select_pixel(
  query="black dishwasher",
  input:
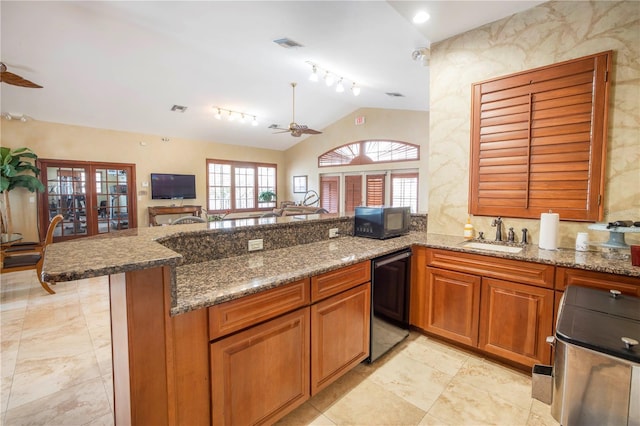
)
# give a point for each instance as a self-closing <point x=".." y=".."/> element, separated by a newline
<point x="390" y="301"/>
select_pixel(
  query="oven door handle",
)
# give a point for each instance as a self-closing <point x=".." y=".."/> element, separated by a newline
<point x="401" y="256"/>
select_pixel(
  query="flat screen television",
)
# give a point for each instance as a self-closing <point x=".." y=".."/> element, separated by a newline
<point x="165" y="186"/>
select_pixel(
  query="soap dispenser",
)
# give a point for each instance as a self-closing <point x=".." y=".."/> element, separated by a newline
<point x="468" y="229"/>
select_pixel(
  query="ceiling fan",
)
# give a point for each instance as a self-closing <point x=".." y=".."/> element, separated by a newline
<point x="14" y="79"/>
<point x="296" y="129"/>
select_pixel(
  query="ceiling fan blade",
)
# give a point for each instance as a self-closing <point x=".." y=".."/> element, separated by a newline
<point x="16" y="80"/>
<point x="310" y="131"/>
<point x="282" y="131"/>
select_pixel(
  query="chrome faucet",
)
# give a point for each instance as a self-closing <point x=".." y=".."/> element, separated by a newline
<point x="498" y="225"/>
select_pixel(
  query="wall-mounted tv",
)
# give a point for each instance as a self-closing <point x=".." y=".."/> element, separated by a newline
<point x="165" y="186"/>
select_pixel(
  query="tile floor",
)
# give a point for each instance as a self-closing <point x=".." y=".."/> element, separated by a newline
<point x="56" y="370"/>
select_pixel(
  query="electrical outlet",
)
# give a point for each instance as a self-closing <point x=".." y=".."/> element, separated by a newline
<point x="255" y="245"/>
<point x="333" y="232"/>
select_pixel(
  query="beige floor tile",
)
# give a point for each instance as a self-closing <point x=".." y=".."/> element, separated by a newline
<point x="429" y="420"/>
<point x="540" y="415"/>
<point x="464" y="404"/>
<point x="510" y="385"/>
<point x="76" y="405"/>
<point x="440" y="356"/>
<point x="338" y="389"/>
<point x="371" y="404"/>
<point x="63" y="340"/>
<point x="411" y="380"/>
<point x="306" y="414"/>
<point x="36" y="378"/>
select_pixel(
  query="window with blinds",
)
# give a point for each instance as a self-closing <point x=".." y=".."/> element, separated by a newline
<point x="538" y="141"/>
<point x="369" y="152"/>
<point x="375" y="190"/>
<point x="330" y="193"/>
<point x="352" y="192"/>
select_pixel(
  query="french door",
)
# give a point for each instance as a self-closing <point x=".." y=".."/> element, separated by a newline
<point x="94" y="198"/>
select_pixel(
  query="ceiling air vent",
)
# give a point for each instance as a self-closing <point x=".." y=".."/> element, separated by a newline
<point x="178" y="108"/>
<point x="273" y="126"/>
<point x="287" y="43"/>
<point x="394" y="94"/>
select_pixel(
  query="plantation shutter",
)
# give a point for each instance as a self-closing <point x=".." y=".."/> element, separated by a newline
<point x="329" y="193"/>
<point x="375" y="190"/>
<point x="352" y="192"/>
<point x="538" y="141"/>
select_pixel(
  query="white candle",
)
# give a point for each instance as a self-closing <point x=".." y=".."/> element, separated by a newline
<point x="549" y="231"/>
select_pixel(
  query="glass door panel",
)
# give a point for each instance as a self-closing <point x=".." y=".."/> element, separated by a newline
<point x="94" y="198"/>
<point x="112" y="199"/>
<point x="66" y="195"/>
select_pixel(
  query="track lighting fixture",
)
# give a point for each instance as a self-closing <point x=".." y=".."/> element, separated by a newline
<point x="242" y="117"/>
<point x="314" y="74"/>
<point x="330" y="78"/>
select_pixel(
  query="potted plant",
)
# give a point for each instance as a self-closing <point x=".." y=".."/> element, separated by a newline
<point x="267" y="196"/>
<point x="17" y="170"/>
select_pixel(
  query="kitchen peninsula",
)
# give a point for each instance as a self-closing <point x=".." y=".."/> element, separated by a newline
<point x="169" y="284"/>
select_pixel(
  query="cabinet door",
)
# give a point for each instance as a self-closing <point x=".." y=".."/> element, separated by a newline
<point x="453" y="305"/>
<point x="340" y="331"/>
<point x="515" y="320"/>
<point x="262" y="373"/>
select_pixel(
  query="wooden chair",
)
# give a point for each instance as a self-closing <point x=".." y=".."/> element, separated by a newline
<point x="24" y="259"/>
<point x="189" y="219"/>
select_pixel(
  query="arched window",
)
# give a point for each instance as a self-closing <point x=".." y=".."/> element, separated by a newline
<point x="369" y="152"/>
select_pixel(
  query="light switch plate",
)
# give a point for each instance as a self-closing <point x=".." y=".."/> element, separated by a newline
<point x="255" y="245"/>
<point x="333" y="232"/>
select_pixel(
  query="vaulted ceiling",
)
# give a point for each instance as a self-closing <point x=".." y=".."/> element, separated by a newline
<point x="122" y="65"/>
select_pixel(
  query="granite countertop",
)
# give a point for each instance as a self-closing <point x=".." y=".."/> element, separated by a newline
<point x="204" y="284"/>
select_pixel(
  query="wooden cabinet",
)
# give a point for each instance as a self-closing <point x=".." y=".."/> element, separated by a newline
<point x="418" y="291"/>
<point x="515" y="320"/>
<point x="270" y="351"/>
<point x="238" y="314"/>
<point x="453" y="301"/>
<point x="600" y="280"/>
<point x="262" y="373"/>
<point x="340" y="330"/>
<point x="501" y="306"/>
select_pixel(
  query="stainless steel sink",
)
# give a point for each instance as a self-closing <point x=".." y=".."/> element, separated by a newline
<point x="492" y="247"/>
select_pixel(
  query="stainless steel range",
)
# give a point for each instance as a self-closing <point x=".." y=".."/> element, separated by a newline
<point x="596" y="371"/>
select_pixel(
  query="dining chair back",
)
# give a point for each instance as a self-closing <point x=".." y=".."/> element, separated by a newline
<point x="34" y="259"/>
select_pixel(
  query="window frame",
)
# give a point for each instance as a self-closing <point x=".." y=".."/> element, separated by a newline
<point x="360" y="158"/>
<point x="257" y="204"/>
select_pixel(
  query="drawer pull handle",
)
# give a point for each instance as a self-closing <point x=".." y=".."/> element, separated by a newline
<point x="629" y="342"/>
<point x="615" y="293"/>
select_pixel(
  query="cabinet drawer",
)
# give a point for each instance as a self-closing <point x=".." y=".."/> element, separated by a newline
<point x="601" y="280"/>
<point x="494" y="267"/>
<point x="241" y="313"/>
<point x="334" y="282"/>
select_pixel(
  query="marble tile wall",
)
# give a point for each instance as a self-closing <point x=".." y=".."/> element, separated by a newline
<point x="552" y="32"/>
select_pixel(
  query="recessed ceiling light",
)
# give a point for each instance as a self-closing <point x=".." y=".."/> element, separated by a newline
<point x="421" y="17"/>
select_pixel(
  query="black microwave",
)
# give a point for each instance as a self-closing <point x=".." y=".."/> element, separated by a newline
<point x="381" y="222"/>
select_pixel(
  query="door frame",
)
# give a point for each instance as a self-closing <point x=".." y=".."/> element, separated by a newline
<point x="90" y="195"/>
